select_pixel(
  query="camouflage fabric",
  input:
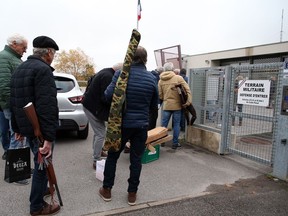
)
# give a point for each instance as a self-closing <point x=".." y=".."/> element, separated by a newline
<point x="113" y="134"/>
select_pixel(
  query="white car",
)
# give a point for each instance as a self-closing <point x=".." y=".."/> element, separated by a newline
<point x="71" y="114"/>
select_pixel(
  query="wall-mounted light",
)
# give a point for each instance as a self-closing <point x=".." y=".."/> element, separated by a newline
<point x="207" y="61"/>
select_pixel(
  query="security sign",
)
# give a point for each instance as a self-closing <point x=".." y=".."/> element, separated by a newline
<point x="254" y="92"/>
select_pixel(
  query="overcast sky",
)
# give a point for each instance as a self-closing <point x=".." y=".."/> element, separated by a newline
<point x="102" y="28"/>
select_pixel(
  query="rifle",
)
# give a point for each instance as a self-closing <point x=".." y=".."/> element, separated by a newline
<point x="32" y="116"/>
<point x="189" y="109"/>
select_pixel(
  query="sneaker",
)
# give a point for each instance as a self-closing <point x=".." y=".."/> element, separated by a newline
<point x="131" y="198"/>
<point x="32" y="171"/>
<point x="22" y="182"/>
<point x="176" y="146"/>
<point x="104" y="154"/>
<point x="4" y="156"/>
<point x="47" y="210"/>
<point x="105" y="194"/>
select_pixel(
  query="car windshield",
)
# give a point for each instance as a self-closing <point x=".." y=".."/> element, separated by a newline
<point x="63" y="84"/>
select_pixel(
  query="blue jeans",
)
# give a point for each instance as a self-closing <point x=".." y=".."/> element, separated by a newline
<point x="39" y="180"/>
<point x="137" y="138"/>
<point x="166" y="115"/>
<point x="13" y="142"/>
<point x="5" y="134"/>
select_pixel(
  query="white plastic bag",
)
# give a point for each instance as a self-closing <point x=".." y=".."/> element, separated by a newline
<point x="100" y="165"/>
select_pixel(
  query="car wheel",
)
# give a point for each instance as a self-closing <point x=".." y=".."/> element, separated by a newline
<point x="83" y="134"/>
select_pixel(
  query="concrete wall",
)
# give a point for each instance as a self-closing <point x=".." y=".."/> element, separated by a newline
<point x="206" y="139"/>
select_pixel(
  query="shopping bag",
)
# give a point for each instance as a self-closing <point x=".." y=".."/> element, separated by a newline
<point x="18" y="165"/>
<point x="100" y="166"/>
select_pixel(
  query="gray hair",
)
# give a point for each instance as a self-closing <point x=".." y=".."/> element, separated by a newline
<point x="19" y="39"/>
<point x="40" y="51"/>
<point x="168" y="66"/>
<point x="117" y="66"/>
<point x="160" y="69"/>
<point x="177" y="71"/>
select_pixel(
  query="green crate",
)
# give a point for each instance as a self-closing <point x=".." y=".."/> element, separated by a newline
<point x="149" y="156"/>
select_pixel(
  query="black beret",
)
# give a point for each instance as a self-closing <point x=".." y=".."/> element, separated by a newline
<point x="44" y="42"/>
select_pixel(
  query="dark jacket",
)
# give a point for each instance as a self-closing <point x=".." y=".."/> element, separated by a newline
<point x="33" y="81"/>
<point x="141" y="96"/>
<point x="9" y="61"/>
<point x="94" y="99"/>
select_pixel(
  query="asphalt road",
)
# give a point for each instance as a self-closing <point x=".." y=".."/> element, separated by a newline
<point x="259" y="196"/>
<point x="190" y="181"/>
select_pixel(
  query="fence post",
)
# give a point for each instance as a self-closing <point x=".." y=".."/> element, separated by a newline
<point x="280" y="163"/>
<point x="225" y="113"/>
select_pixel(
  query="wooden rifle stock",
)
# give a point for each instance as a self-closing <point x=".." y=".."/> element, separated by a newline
<point x="32" y="116"/>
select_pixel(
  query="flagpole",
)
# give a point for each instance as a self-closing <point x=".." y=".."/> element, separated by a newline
<point x="137" y="17"/>
<point x="137" y="24"/>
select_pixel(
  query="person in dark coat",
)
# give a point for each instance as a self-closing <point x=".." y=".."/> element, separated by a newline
<point x="141" y="97"/>
<point x="153" y="115"/>
<point x="33" y="81"/>
<point x="183" y="121"/>
<point x="97" y="109"/>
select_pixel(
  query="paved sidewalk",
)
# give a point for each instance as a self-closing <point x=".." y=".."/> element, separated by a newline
<point x="175" y="175"/>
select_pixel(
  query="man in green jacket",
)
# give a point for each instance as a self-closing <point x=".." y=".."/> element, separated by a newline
<point x="10" y="59"/>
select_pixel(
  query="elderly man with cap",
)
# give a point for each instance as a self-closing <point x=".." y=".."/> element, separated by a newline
<point x="33" y="81"/>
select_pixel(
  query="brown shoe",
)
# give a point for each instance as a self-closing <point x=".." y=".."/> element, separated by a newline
<point x="47" y="210"/>
<point x="131" y="198"/>
<point x="105" y="194"/>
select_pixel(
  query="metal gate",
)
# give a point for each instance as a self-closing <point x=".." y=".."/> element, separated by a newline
<point x="246" y="129"/>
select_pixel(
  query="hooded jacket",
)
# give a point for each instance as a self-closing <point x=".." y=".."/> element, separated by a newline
<point x="168" y="93"/>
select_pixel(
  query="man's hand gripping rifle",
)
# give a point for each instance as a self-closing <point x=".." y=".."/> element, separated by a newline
<point x="32" y="116"/>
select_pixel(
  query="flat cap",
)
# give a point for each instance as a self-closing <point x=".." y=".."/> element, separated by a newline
<point x="44" y="42"/>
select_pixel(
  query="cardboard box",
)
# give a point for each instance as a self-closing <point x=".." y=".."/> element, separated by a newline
<point x="150" y="156"/>
<point x="156" y="133"/>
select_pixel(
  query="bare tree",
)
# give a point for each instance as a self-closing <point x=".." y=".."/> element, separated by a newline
<point x="74" y="62"/>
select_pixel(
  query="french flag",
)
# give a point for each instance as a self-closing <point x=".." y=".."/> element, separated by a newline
<point x="139" y="9"/>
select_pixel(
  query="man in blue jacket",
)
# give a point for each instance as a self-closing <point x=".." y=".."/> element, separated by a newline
<point x="141" y="97"/>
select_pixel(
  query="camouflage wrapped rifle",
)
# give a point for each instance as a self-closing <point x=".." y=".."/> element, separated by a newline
<point x="113" y="134"/>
